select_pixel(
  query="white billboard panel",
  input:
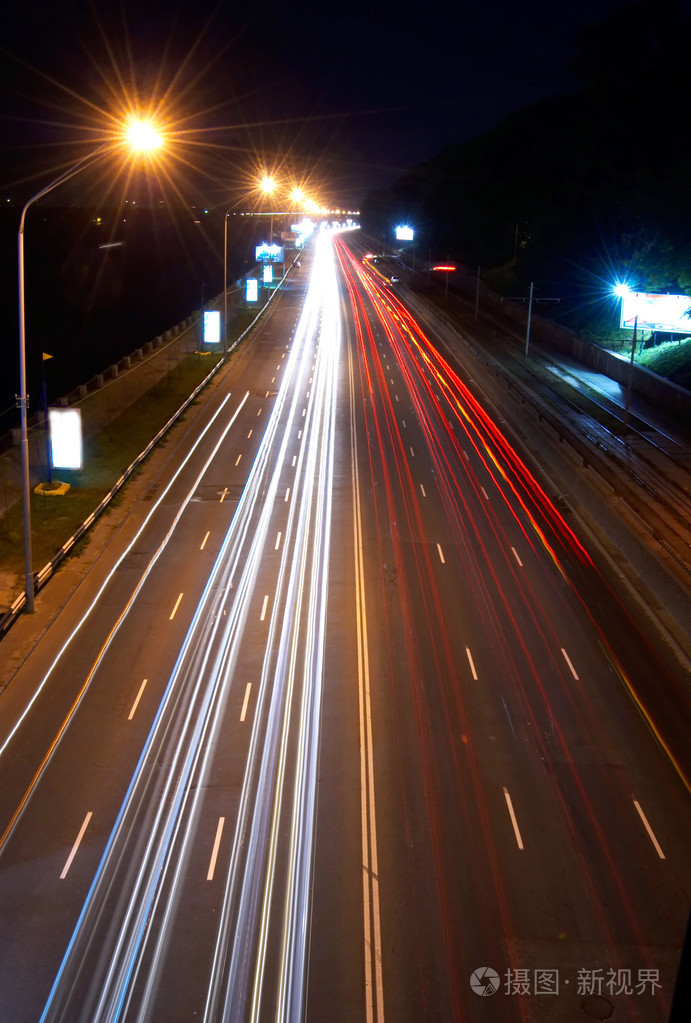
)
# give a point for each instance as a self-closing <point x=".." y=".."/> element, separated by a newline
<point x="212" y="327"/>
<point x="268" y="253"/>
<point x="252" y="292"/>
<point x="669" y="313"/>
<point x="65" y="429"/>
<point x="404" y="233"/>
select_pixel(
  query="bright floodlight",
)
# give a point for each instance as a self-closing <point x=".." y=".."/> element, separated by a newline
<point x="143" y="135"/>
<point x="621" y="289"/>
<point x="267" y="184"/>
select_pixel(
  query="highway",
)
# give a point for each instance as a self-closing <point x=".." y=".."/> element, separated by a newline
<point x="343" y="719"/>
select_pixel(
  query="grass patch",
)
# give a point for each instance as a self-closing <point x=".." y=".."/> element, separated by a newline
<point x="106" y="456"/>
<point x="671" y="359"/>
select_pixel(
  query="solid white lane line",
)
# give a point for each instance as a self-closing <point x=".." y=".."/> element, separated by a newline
<point x="571" y="667"/>
<point x="423" y="490"/>
<point x="245" y="702"/>
<point x="485" y="493"/>
<point x="177" y="605"/>
<point x="515" y="554"/>
<point x="73" y="853"/>
<point x="441" y="554"/>
<point x="136" y="702"/>
<point x="203" y="543"/>
<point x="471" y="663"/>
<point x="214" y="851"/>
<point x="237" y="460"/>
<point x="262" y="616"/>
<point x="374" y="986"/>
<point x="651" y="835"/>
<point x="516" y="831"/>
<point x="278" y="541"/>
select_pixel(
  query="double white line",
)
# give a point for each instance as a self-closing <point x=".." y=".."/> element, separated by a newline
<point x="374" y="990"/>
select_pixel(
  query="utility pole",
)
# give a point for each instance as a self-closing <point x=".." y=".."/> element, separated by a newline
<point x="529" y="300"/>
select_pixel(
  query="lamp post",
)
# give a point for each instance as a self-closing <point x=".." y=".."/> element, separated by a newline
<point x="629" y="376"/>
<point x="140" y="135"/>
<point x="622" y="290"/>
<point x="268" y="187"/>
<point x="225" y="283"/>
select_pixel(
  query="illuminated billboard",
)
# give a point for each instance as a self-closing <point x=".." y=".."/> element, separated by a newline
<point x="669" y="313"/>
<point x="252" y="291"/>
<point x="268" y="253"/>
<point x="65" y="429"/>
<point x="268" y="274"/>
<point x="212" y="327"/>
<point x="404" y="233"/>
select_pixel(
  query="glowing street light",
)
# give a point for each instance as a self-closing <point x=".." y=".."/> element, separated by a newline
<point x="139" y="136"/>
<point x="142" y="135"/>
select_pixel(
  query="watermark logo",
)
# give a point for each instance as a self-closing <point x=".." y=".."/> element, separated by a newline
<point x="484" y="981"/>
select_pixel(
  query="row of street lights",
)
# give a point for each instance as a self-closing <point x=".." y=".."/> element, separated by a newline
<point x="138" y="136"/>
<point x="268" y="186"/>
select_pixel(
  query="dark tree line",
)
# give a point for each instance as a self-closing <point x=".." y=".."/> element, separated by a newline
<point x="578" y="188"/>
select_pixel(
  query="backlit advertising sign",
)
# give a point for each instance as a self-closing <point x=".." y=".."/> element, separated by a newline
<point x="268" y="274"/>
<point x="668" y="313"/>
<point x="268" y="253"/>
<point x="404" y="233"/>
<point x="65" y="431"/>
<point x="252" y="290"/>
<point x="212" y="327"/>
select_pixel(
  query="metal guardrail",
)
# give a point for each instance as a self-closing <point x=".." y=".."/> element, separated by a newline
<point x="41" y="577"/>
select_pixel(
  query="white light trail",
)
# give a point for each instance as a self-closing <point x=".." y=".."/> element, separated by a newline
<point x="164" y="806"/>
<point x="95" y="602"/>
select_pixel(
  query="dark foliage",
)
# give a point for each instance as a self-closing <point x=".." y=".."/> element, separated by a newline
<point x="577" y="190"/>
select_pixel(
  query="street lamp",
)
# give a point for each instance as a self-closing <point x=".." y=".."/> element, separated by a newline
<point x="139" y="136"/>
<point x="622" y="290"/>
<point x="268" y="187"/>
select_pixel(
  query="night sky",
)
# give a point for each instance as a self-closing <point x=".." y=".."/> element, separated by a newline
<point x="345" y="96"/>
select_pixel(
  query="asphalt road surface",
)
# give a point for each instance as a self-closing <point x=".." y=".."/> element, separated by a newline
<point x="341" y="725"/>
